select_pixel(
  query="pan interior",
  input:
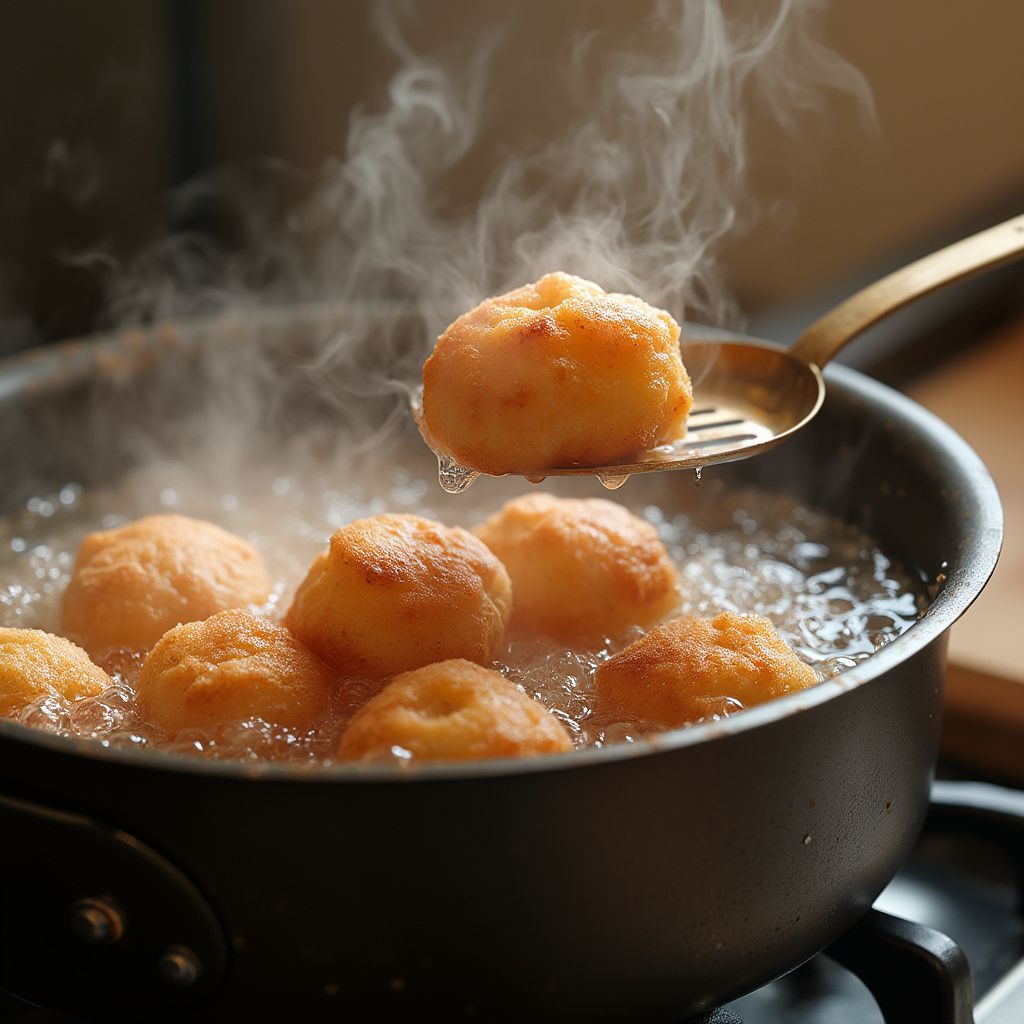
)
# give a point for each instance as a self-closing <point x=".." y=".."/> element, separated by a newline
<point x="857" y="488"/>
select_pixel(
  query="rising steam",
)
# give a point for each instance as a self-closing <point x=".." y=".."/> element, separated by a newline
<point x="641" y="179"/>
<point x="635" y="181"/>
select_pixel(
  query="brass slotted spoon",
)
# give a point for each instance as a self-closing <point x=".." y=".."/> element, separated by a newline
<point x="750" y="396"/>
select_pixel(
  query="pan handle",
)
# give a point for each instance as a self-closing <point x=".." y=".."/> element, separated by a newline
<point x="837" y="328"/>
<point x="95" y="923"/>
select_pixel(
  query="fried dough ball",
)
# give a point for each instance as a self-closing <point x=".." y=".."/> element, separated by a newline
<point x="233" y="666"/>
<point x="581" y="569"/>
<point x="556" y="373"/>
<point x="453" y="711"/>
<point x="691" y="667"/>
<point x="395" y="592"/>
<point x="35" y="664"/>
<point x="133" y="583"/>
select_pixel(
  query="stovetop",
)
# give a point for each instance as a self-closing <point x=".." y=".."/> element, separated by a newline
<point x="943" y="944"/>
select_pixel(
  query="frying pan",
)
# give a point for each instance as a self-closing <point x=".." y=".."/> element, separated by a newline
<point x="649" y="881"/>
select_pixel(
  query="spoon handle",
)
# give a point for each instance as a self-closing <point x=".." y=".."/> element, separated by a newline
<point x="825" y="337"/>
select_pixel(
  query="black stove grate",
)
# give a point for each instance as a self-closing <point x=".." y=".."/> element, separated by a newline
<point x="915" y="972"/>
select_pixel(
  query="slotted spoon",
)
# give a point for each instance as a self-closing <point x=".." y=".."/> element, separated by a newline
<point x="751" y="396"/>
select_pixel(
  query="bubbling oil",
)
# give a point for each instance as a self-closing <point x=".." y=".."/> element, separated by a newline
<point x="834" y="596"/>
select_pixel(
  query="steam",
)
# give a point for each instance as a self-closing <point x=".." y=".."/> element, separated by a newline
<point x="641" y="179"/>
<point x="635" y="183"/>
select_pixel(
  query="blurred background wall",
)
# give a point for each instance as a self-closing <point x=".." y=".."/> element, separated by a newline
<point x="107" y="107"/>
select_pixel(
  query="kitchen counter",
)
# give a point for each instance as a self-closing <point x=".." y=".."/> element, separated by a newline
<point x="981" y="395"/>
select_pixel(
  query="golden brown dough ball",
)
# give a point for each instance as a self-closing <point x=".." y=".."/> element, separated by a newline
<point x="35" y="664"/>
<point x="395" y="592"/>
<point x="133" y="583"/>
<point x="556" y="373"/>
<point x="581" y="570"/>
<point x="229" y="668"/>
<point x="453" y="711"/>
<point x="689" y="668"/>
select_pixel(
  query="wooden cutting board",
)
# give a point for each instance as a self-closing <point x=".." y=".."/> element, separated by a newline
<point x="981" y="395"/>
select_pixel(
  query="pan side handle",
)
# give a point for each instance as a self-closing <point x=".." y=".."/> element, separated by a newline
<point x="94" y="923"/>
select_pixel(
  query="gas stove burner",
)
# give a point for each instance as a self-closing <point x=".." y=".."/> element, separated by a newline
<point x="913" y="972"/>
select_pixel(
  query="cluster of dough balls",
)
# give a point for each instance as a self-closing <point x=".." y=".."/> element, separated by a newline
<point x="452" y="711"/>
<point x="556" y="373"/>
<point x="692" y="668"/>
<point x="396" y="592"/>
<point x="232" y="667"/>
<point x="131" y="584"/>
<point x="405" y="597"/>
<point x="419" y="606"/>
<point x="581" y="570"/>
<point x="35" y="665"/>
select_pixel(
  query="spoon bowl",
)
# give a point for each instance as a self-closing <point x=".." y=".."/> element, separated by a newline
<point x="750" y="396"/>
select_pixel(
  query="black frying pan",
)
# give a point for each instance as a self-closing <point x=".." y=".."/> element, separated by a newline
<point x="635" y="883"/>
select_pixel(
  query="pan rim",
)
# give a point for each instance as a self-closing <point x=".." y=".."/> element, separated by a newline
<point x="963" y="585"/>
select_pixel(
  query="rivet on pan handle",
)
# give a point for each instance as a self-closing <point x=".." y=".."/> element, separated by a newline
<point x="94" y="923"/>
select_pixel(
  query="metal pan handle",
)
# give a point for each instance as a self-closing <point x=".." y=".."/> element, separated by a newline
<point x="984" y="251"/>
<point x="95" y="923"/>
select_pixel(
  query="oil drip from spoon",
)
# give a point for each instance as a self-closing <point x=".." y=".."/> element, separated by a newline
<point x="612" y="481"/>
<point x="453" y="477"/>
